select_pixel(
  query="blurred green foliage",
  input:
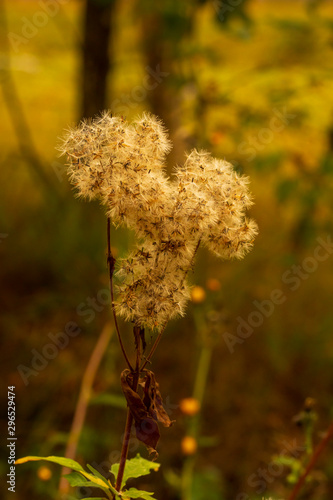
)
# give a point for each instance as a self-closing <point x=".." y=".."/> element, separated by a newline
<point x="256" y="90"/>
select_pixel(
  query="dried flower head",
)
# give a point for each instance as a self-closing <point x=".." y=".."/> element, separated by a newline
<point x="123" y="165"/>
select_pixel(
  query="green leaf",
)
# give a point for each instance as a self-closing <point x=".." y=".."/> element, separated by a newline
<point x="134" y="493"/>
<point x="135" y="467"/>
<point x="65" y="462"/>
<point x="98" y="474"/>
<point x="76" y="479"/>
<point x="98" y="482"/>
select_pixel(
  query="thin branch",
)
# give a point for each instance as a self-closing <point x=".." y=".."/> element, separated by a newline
<point x="153" y="349"/>
<point x="124" y="450"/>
<point x="129" y="419"/>
<point x="195" y="251"/>
<point x="312" y="463"/>
<point x="83" y="400"/>
<point x="111" y="262"/>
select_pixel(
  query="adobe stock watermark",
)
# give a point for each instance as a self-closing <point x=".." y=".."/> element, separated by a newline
<point x="264" y="476"/>
<point x="293" y="278"/>
<point x="30" y="27"/>
<point x="59" y="341"/>
<point x="278" y="122"/>
<point x="150" y="81"/>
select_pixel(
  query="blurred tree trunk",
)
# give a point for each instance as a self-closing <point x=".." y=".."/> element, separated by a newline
<point x="96" y="55"/>
<point x="162" y="31"/>
<point x="156" y="57"/>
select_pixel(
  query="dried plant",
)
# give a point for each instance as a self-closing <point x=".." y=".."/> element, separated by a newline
<point x="123" y="165"/>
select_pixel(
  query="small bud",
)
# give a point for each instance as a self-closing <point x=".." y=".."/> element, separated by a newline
<point x="213" y="285"/>
<point x="44" y="473"/>
<point x="189" y="406"/>
<point x="309" y="404"/>
<point x="189" y="445"/>
<point x="198" y="294"/>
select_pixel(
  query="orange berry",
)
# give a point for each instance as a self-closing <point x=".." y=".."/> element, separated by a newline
<point x="213" y="284"/>
<point x="189" y="406"/>
<point x="198" y="294"/>
<point x="44" y="473"/>
<point x="189" y="445"/>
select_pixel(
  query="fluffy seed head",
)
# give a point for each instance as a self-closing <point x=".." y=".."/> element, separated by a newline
<point x="123" y="165"/>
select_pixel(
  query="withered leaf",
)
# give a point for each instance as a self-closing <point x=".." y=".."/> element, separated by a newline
<point x="145" y="424"/>
<point x="153" y="400"/>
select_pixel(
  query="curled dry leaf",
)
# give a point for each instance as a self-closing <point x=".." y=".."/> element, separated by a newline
<point x="146" y="410"/>
<point x="153" y="400"/>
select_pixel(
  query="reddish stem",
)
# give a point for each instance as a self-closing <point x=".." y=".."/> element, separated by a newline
<point x="153" y="349"/>
<point x="129" y="419"/>
<point x="312" y="463"/>
<point x="127" y="436"/>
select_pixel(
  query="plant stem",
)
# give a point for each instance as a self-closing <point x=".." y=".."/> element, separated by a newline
<point x="129" y="418"/>
<point x="202" y="373"/>
<point x="312" y="462"/>
<point x="111" y="262"/>
<point x="124" y="449"/>
<point x="153" y="349"/>
<point x="138" y="369"/>
<point x="187" y="478"/>
<point x="198" y="394"/>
